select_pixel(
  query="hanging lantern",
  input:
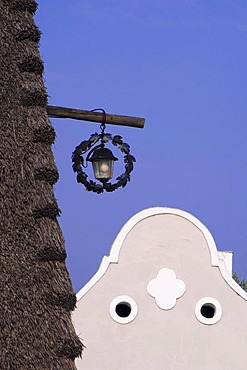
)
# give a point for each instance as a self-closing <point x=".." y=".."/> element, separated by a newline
<point x="103" y="163"/>
<point x="102" y="160"/>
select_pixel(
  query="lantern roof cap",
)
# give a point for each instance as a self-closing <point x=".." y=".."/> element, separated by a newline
<point x="102" y="153"/>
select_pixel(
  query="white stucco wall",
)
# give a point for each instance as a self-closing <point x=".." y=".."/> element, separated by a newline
<point x="157" y="338"/>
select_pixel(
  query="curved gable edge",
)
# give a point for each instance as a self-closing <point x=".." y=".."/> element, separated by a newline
<point x="118" y="242"/>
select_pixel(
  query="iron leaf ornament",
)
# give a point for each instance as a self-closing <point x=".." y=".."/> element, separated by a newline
<point x="78" y="162"/>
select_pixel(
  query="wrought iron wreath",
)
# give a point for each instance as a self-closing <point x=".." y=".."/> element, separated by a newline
<point x="85" y="146"/>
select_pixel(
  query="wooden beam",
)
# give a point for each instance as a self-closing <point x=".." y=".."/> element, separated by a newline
<point x="84" y="115"/>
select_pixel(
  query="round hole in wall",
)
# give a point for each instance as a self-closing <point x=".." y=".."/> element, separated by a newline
<point x="208" y="311"/>
<point x="123" y="309"/>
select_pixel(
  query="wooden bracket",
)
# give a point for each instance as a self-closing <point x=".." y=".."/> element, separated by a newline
<point x="84" y="115"/>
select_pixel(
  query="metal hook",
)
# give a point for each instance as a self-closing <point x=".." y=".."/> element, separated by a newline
<point x="103" y="125"/>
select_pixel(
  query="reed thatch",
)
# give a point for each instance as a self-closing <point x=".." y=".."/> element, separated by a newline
<point x="36" y="293"/>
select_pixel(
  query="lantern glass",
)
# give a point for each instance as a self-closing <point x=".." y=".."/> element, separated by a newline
<point x="103" y="163"/>
<point x="103" y="169"/>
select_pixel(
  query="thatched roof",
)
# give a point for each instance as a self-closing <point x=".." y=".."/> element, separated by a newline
<point x="37" y="298"/>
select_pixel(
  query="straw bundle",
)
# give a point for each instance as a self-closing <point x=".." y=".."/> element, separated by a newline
<point x="36" y="293"/>
<point x="50" y="241"/>
<point x="43" y="132"/>
<point x="23" y="5"/>
<point x="44" y="163"/>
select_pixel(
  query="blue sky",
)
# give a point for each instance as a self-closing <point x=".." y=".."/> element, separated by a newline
<point x="180" y="64"/>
